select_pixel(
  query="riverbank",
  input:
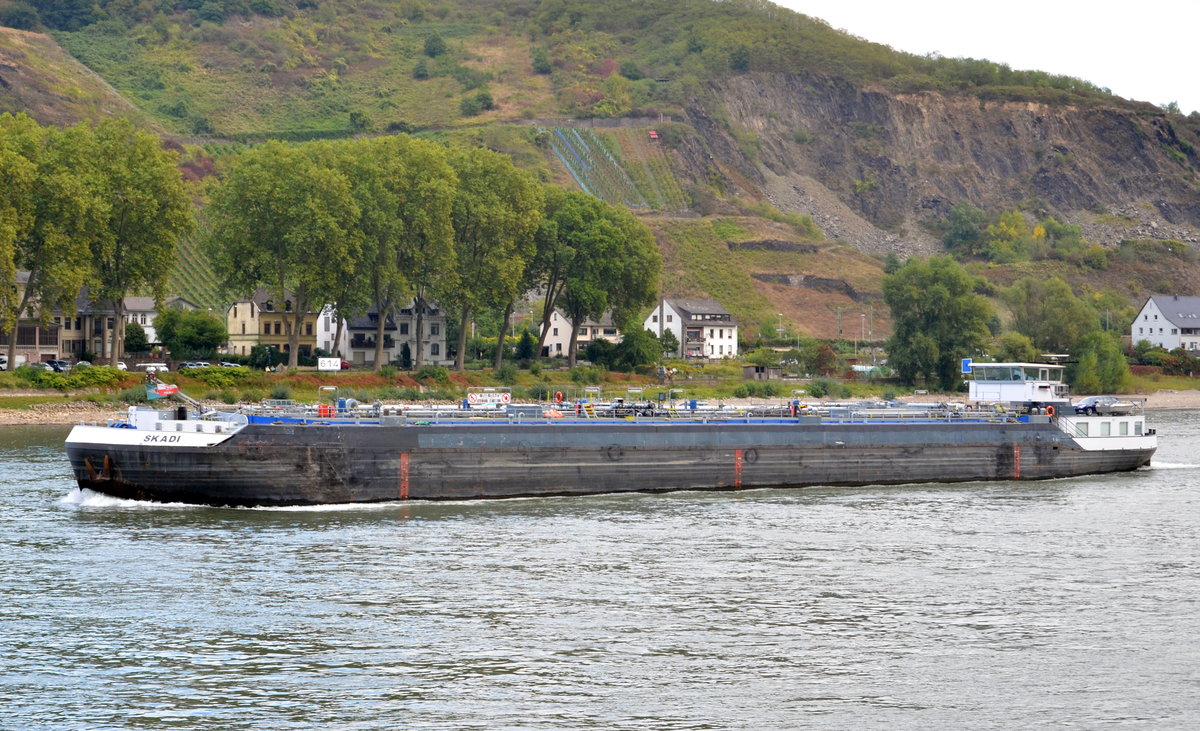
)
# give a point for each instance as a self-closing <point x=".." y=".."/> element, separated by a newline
<point x="76" y="411"/>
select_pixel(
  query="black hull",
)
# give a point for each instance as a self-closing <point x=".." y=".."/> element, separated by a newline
<point x="320" y="464"/>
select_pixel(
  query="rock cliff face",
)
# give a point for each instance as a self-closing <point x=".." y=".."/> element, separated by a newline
<point x="871" y="166"/>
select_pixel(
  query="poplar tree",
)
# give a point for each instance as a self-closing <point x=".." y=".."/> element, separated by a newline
<point x="496" y="212"/>
<point x="146" y="213"/>
<point x="49" y="216"/>
<point x="283" y="221"/>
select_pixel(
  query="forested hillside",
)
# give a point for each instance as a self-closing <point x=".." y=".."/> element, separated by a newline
<point x="779" y="162"/>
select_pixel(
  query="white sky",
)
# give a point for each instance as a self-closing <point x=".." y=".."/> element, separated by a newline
<point x="1143" y="52"/>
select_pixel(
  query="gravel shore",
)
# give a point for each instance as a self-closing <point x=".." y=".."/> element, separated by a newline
<point x="86" y="411"/>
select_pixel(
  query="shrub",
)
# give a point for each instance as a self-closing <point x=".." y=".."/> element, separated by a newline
<point x="507" y="374"/>
<point x="819" y="387"/>
<point x="433" y="373"/>
<point x="281" y="391"/>
<point x="585" y="374"/>
<point x="539" y="392"/>
<point x="252" y="395"/>
<point x="541" y="61"/>
<point x="135" y="395"/>
<point x="388" y="371"/>
<point x="434" y="46"/>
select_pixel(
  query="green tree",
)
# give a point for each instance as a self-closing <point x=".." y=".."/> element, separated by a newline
<point x="739" y="59"/>
<point x="638" y="347"/>
<point x="631" y="71"/>
<point x="937" y="319"/>
<point x="49" y="215"/>
<point x="1101" y="367"/>
<point x="135" y="339"/>
<point x="434" y="46"/>
<point x="282" y="221"/>
<point x="190" y="333"/>
<point x="1049" y="313"/>
<point x="526" y="346"/>
<point x="495" y="214"/>
<point x="669" y="343"/>
<point x="601" y="259"/>
<point x="541" y="61"/>
<point x="262" y="356"/>
<point x="147" y="213"/>
<point x="763" y="357"/>
<point x="964" y="230"/>
<point x="1013" y="347"/>
<point x="403" y="188"/>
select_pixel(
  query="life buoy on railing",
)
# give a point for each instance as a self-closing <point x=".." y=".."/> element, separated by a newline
<point x="558" y="396"/>
<point x="1049" y="411"/>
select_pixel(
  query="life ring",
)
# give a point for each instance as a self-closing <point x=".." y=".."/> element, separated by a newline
<point x="558" y="396"/>
<point x="1049" y="411"/>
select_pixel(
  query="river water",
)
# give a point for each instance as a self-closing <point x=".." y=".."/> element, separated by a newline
<point x="984" y="605"/>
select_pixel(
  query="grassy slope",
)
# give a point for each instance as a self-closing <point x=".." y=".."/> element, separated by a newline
<point x="309" y="71"/>
<point x="40" y="79"/>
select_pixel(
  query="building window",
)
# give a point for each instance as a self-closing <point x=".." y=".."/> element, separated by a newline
<point x="266" y="328"/>
<point x="557" y="346"/>
<point x="710" y="332"/>
<point x="654" y="318"/>
<point x="243" y="328"/>
<point x="404" y="328"/>
<point x="235" y="312"/>
<point x="1139" y="331"/>
<point x="555" y="332"/>
<point x="583" y="331"/>
<point x="278" y="328"/>
<point x="110" y="323"/>
<point x="434" y="329"/>
<point x="435" y="349"/>
<point x="327" y="323"/>
<point x="1174" y="331"/>
<point x="670" y="317"/>
<point x="308" y="328"/>
<point x="287" y="305"/>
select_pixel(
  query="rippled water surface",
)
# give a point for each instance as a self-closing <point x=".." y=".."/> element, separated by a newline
<point x="982" y="605"/>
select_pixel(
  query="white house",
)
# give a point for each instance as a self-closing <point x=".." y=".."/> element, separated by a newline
<point x="704" y="328"/>
<point x="1169" y="321"/>
<point x="327" y="322"/>
<point x="558" y="340"/>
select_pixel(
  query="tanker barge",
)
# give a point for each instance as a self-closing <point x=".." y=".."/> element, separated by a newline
<point x="374" y="454"/>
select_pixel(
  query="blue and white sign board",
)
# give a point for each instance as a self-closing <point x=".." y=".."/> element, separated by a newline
<point x="966" y="365"/>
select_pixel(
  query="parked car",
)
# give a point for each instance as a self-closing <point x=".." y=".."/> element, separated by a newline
<point x="83" y="364"/>
<point x="345" y="365"/>
<point x="121" y="366"/>
<point x="59" y="365"/>
<point x="1106" y="405"/>
<point x="152" y="367"/>
<point x="229" y="364"/>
